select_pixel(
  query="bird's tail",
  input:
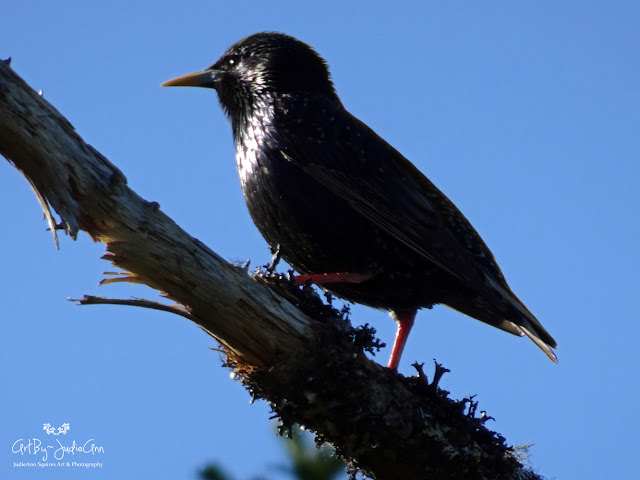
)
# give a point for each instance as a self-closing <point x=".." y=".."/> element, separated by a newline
<point x="525" y="322"/>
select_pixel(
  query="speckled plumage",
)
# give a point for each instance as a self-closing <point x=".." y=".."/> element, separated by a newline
<point x="337" y="198"/>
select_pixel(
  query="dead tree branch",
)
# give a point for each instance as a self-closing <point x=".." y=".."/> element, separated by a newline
<point x="287" y="347"/>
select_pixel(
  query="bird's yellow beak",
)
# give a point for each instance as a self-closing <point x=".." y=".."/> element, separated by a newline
<point x="205" y="78"/>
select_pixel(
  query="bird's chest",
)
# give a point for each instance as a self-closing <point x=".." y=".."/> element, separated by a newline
<point x="281" y="198"/>
<point x="291" y="208"/>
<point x="264" y="174"/>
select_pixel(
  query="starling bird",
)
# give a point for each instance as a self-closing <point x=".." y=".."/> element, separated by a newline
<point x="347" y="210"/>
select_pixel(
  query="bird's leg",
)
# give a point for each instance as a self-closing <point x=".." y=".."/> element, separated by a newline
<point x="405" y="322"/>
<point x="328" y="278"/>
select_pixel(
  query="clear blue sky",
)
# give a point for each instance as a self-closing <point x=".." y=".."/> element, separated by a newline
<point x="526" y="114"/>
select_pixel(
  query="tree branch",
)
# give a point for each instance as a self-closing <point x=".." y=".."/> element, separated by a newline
<point x="286" y="346"/>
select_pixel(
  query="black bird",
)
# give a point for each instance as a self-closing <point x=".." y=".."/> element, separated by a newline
<point x="348" y="211"/>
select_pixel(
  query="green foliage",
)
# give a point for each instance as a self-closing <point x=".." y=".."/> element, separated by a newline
<point x="309" y="462"/>
<point x="213" y="472"/>
<point x="306" y="462"/>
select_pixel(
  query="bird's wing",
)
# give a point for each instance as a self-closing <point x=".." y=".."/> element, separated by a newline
<point x="376" y="181"/>
<point x="370" y="201"/>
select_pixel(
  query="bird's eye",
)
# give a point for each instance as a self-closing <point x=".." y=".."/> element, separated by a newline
<point x="232" y="61"/>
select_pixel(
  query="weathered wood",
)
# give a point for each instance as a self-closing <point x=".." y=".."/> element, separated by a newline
<point x="287" y="348"/>
<point x="91" y="194"/>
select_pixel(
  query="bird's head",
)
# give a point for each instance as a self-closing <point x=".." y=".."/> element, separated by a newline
<point x="260" y="65"/>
